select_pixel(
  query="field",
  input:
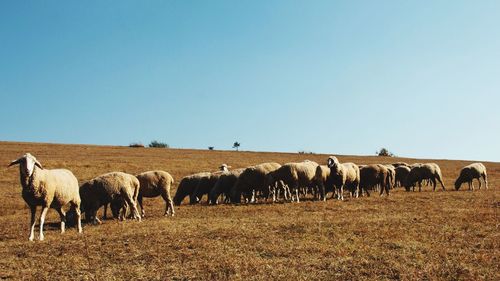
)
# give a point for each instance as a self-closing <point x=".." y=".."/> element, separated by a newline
<point x="408" y="236"/>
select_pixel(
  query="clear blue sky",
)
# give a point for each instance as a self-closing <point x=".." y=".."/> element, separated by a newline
<point x="421" y="78"/>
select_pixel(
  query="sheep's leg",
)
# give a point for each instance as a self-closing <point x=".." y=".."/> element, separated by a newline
<point x="104" y="214"/>
<point x="32" y="223"/>
<point x="78" y="217"/>
<point x="169" y="204"/>
<point x="62" y="215"/>
<point x="130" y="202"/>
<point x="139" y="201"/>
<point x="470" y="188"/>
<point x="340" y="193"/>
<point x="45" y="209"/>
<point x="441" y="182"/>
<point x="434" y="184"/>
<point x="322" y="195"/>
<point x="485" y="178"/>
<point x="480" y="184"/>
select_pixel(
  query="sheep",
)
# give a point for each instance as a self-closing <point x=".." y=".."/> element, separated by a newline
<point x="187" y="185"/>
<point x="49" y="189"/>
<point x="204" y="186"/>
<point x="118" y="188"/>
<point x="420" y="172"/>
<point x="471" y="172"/>
<point x="321" y="179"/>
<point x="252" y="179"/>
<point x="294" y="176"/>
<point x="372" y="175"/>
<point x="401" y="175"/>
<point x="224" y="185"/>
<point x="153" y="184"/>
<point x="346" y="174"/>
<point x="392" y="174"/>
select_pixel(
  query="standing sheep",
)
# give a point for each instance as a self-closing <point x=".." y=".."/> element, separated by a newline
<point x="322" y="180"/>
<point x="49" y="189"/>
<point x="346" y="174"/>
<point x="420" y="172"/>
<point x="153" y="184"/>
<point x="401" y="175"/>
<point x="204" y="186"/>
<point x="373" y="175"/>
<point x="187" y="186"/>
<point x="224" y="185"/>
<point x="294" y="176"/>
<point x="253" y="179"/>
<point x="392" y="174"/>
<point x="116" y="188"/>
<point x="471" y="172"/>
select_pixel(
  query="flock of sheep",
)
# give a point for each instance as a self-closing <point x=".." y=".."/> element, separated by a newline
<point x="123" y="192"/>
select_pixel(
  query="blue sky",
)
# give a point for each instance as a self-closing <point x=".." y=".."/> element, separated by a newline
<point x="343" y="77"/>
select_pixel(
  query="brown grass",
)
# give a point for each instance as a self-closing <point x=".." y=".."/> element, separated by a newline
<point x="409" y="236"/>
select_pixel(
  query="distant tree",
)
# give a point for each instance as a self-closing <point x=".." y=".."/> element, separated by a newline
<point x="136" y="144"/>
<point x="158" y="144"/>
<point x="385" y="152"/>
<point x="210" y="148"/>
<point x="236" y="145"/>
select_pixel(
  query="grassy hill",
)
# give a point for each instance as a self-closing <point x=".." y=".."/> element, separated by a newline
<point x="410" y="235"/>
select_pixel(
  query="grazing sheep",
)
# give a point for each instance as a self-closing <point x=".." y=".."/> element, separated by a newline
<point x="392" y="174"/>
<point x="154" y="184"/>
<point x="322" y="178"/>
<point x="420" y="172"/>
<point x="187" y="185"/>
<point x="401" y="175"/>
<point x="471" y="172"/>
<point x="346" y="174"/>
<point x="373" y="175"/>
<point x="118" y="188"/>
<point x="204" y="186"/>
<point x="294" y="176"/>
<point x="49" y="189"/>
<point x="224" y="185"/>
<point x="253" y="179"/>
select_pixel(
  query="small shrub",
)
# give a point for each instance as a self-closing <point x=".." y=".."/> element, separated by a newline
<point x="158" y="144"/>
<point x="385" y="152"/>
<point x="210" y="148"/>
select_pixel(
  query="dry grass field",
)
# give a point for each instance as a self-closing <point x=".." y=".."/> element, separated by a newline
<point x="408" y="236"/>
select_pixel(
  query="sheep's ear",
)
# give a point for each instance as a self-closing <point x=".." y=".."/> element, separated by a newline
<point x="38" y="164"/>
<point x="15" y="162"/>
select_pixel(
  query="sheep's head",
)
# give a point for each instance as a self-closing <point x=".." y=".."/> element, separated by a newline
<point x="27" y="164"/>
<point x="224" y="168"/>
<point x="332" y="162"/>
<point x="458" y="183"/>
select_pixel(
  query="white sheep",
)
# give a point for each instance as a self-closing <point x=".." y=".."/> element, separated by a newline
<point x="119" y="189"/>
<point x="470" y="172"/>
<point x="292" y="177"/>
<point x="346" y="174"/>
<point x="154" y="184"/>
<point x="49" y="189"/>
